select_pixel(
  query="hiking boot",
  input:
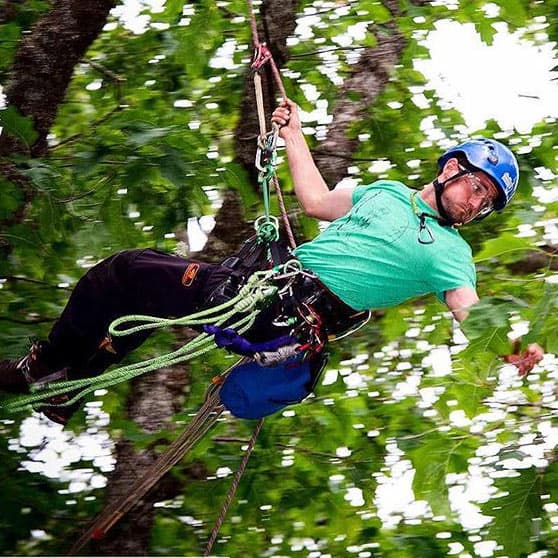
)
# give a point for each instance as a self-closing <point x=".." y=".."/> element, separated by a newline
<point x="17" y="375"/>
<point x="56" y="413"/>
<point x="12" y="379"/>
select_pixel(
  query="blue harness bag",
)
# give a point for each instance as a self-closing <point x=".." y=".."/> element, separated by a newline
<point x="251" y="391"/>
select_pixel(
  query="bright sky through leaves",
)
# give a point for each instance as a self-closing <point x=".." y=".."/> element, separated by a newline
<point x="509" y="81"/>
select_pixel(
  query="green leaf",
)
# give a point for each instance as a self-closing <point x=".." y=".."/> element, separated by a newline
<point x="8" y="44"/>
<point x="550" y="481"/>
<point x="141" y="133"/>
<point x="15" y="124"/>
<point x="513" y="11"/>
<point x="490" y="317"/>
<point x="544" y="319"/>
<point x="433" y="459"/>
<point x="506" y="246"/>
<point x="514" y="512"/>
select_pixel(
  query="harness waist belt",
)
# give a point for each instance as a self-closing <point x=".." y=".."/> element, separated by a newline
<point x="337" y="316"/>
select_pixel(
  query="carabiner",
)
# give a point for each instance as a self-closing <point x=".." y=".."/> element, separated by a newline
<point x="266" y="150"/>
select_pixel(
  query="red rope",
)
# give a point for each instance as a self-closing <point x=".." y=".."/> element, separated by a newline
<point x="259" y="46"/>
<point x="263" y="55"/>
<point x="253" y="24"/>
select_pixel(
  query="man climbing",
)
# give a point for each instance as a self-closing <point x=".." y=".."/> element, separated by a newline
<point x="386" y="243"/>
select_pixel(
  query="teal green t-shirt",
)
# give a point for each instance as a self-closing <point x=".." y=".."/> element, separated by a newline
<point x="371" y="257"/>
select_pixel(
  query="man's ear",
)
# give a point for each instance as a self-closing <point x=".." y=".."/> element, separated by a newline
<point x="450" y="169"/>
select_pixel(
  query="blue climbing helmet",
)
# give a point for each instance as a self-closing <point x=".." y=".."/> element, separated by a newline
<point x="492" y="158"/>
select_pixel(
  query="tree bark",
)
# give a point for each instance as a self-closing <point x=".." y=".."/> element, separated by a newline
<point x="533" y="262"/>
<point x="366" y="82"/>
<point x="358" y="93"/>
<point x="152" y="402"/>
<point x="45" y="62"/>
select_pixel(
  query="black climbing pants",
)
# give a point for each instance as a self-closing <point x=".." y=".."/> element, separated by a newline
<point x="155" y="283"/>
<point x="129" y="282"/>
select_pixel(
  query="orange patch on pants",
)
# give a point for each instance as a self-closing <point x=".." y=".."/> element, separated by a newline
<point x="190" y="274"/>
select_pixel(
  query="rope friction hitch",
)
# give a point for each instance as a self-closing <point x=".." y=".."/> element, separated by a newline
<point x="262" y="54"/>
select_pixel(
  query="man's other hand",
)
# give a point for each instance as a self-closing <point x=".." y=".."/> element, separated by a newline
<point x="525" y="361"/>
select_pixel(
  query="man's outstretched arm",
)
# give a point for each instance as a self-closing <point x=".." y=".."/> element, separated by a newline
<point x="460" y="299"/>
<point x="316" y="199"/>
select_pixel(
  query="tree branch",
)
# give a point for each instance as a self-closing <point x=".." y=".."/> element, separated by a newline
<point x="360" y="90"/>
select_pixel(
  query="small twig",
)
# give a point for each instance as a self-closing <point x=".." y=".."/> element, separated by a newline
<point x="524" y="96"/>
<point x="326" y="11"/>
<point x="27" y="322"/>
<point x="232" y="439"/>
<point x="229" y="439"/>
<point x="324" y="50"/>
<point x="347" y="156"/>
<point x="105" y="71"/>
<point x="35" y="282"/>
<point x="309" y="452"/>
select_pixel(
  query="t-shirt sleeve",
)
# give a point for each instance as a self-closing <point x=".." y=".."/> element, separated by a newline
<point x="360" y="191"/>
<point x="452" y="271"/>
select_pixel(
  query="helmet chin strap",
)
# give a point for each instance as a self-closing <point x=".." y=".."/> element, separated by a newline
<point x="446" y="220"/>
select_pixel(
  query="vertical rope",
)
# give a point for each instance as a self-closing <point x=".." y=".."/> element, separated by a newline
<point x="253" y="24"/>
<point x="257" y="43"/>
<point x="233" y="487"/>
<point x="292" y="242"/>
<point x="260" y="104"/>
<point x="261" y="117"/>
<point x="284" y="216"/>
<point x="277" y="77"/>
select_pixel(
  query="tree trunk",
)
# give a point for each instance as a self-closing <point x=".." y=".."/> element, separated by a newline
<point x="45" y="62"/>
<point x="153" y="400"/>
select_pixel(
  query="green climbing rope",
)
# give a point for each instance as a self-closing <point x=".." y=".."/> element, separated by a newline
<point x="244" y="308"/>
